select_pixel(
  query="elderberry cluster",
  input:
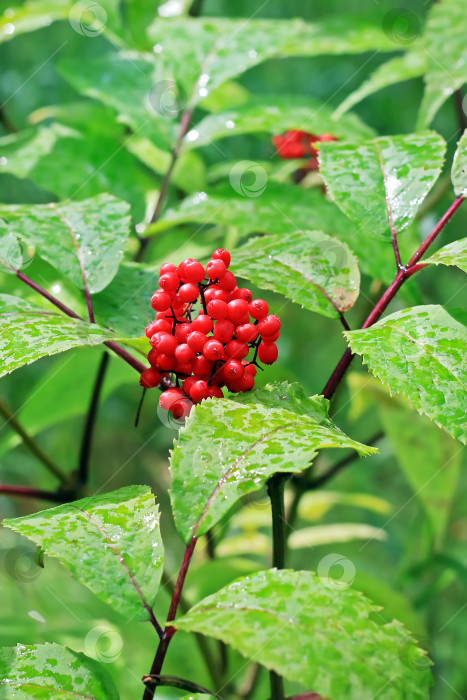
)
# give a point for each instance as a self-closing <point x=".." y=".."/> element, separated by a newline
<point x="202" y="351"/>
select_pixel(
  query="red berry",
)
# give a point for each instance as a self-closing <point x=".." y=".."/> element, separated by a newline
<point x="187" y="384"/>
<point x="199" y="390"/>
<point x="182" y="331"/>
<point x="188" y="292"/>
<point x="242" y="293"/>
<point x="202" y="323"/>
<point x="181" y="408"/>
<point x="150" y="378"/>
<point x="167" y="267"/>
<point x="168" y="398"/>
<point x="196" y="340"/>
<point x="269" y="325"/>
<point x="250" y="369"/>
<point x="217" y="309"/>
<point x="237" y="349"/>
<point x="160" y="300"/>
<point x="193" y="271"/>
<point x="237" y="309"/>
<point x="267" y="353"/>
<point x="162" y="324"/>
<point x="202" y="368"/>
<point x="153" y="356"/>
<point x="166" y="343"/>
<point x="183" y="368"/>
<point x="182" y="266"/>
<point x="271" y="338"/>
<point x="183" y="353"/>
<point x="221" y="254"/>
<point x="258" y="309"/>
<point x="220" y="294"/>
<point x="233" y="370"/>
<point x="224" y="330"/>
<point x="213" y="350"/>
<point x="228" y="282"/>
<point x="166" y="362"/>
<point x="216" y="269"/>
<point x="247" y="333"/>
<point x="169" y="281"/>
<point x="209" y="294"/>
<point x="215" y="391"/>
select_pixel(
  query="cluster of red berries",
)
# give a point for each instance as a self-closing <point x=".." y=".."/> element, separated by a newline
<point x="299" y="144"/>
<point x="202" y="352"/>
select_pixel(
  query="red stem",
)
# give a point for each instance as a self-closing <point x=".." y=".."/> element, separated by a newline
<point x="117" y="349"/>
<point x="169" y="630"/>
<point x="27" y="492"/>
<point x="403" y="274"/>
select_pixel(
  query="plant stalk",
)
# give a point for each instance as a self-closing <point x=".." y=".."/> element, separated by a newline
<point x="86" y="442"/>
<point x="403" y="274"/>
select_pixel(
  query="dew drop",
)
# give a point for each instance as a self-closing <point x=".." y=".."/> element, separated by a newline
<point x="230" y="124"/>
<point x="9" y="28"/>
<point x="3" y="160"/>
<point x="157" y="48"/>
<point x="192" y="135"/>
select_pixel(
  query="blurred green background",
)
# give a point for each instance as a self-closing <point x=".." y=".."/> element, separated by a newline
<point x="415" y="567"/>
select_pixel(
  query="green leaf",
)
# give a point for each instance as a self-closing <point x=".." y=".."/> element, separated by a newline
<point x="110" y="543"/>
<point x="398" y="69"/>
<point x="205" y="52"/>
<point x="452" y="254"/>
<point x="429" y="458"/>
<point x="282" y="619"/>
<point x="459" y="167"/>
<point x="228" y="449"/>
<point x="54" y="672"/>
<point x="314" y="505"/>
<point x="336" y="532"/>
<point x="421" y="353"/>
<point x="274" y="114"/>
<point x="84" y="240"/>
<point x="308" y="267"/>
<point x="134" y="84"/>
<point x="268" y="207"/>
<point x="100" y="164"/>
<point x="445" y="47"/>
<point x="30" y="332"/>
<point x="380" y="184"/>
<point x="30" y="16"/>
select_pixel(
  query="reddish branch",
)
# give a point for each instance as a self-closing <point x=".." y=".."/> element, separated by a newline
<point x="403" y="274"/>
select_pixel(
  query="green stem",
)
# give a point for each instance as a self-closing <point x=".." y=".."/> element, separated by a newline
<point x="276" y="495"/>
<point x="32" y="444"/>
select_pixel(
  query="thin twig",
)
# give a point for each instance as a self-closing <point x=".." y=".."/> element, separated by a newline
<point x="86" y="442"/>
<point x="31" y="444"/>
<point x="403" y="274"/>
<point x="27" y="492"/>
<point x="276" y="495"/>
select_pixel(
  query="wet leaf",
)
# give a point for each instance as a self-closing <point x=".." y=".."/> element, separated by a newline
<point x="54" y="672"/>
<point x="308" y="267"/>
<point x="421" y="353"/>
<point x="275" y="114"/>
<point x="228" y="449"/>
<point x="452" y="254"/>
<point x="459" y="167"/>
<point x="30" y="331"/>
<point x="398" y="69"/>
<point x="110" y="543"/>
<point x="444" y="44"/>
<point x="282" y="619"/>
<point x="380" y="184"/>
<point x="83" y="240"/>
<point x="30" y="16"/>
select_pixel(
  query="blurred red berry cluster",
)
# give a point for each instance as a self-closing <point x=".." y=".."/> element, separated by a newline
<point x="201" y="351"/>
<point x="300" y="144"/>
